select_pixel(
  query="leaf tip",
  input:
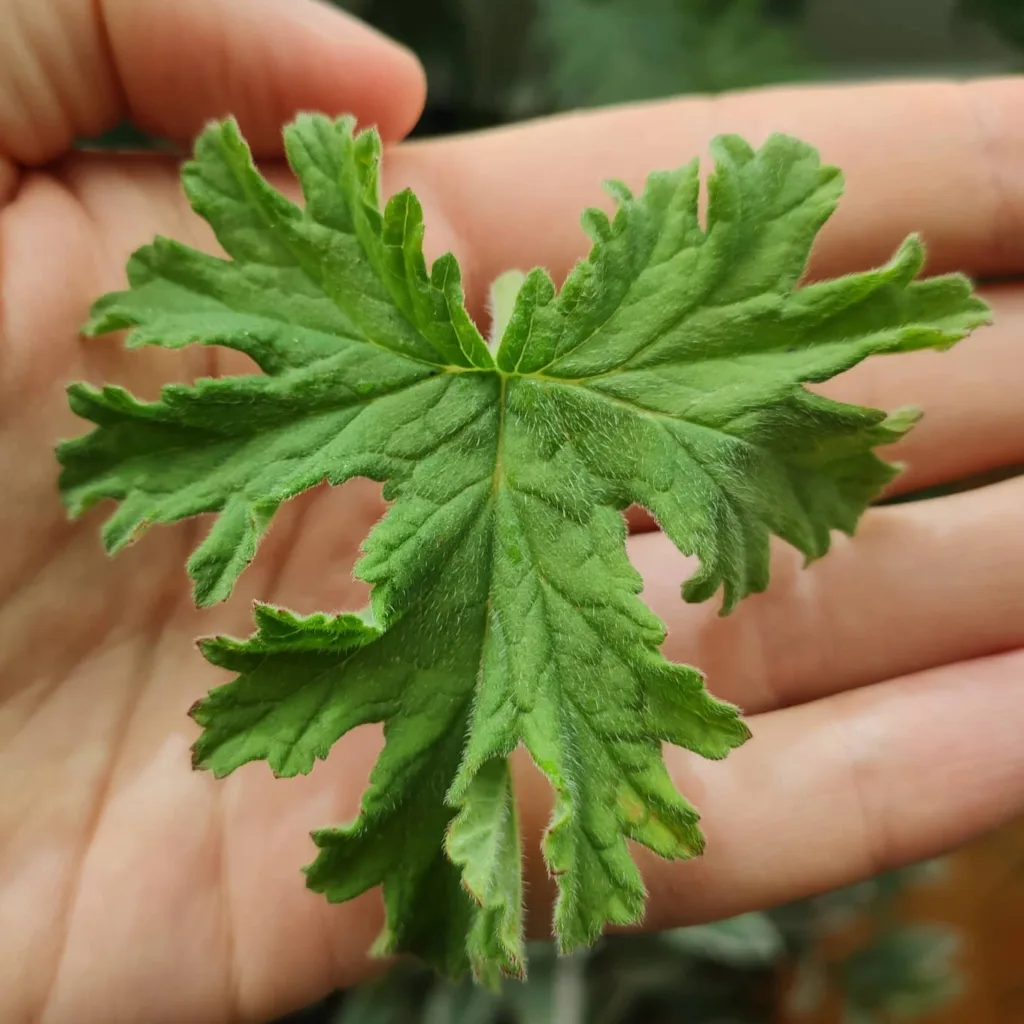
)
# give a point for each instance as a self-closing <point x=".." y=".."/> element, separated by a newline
<point x="120" y="532"/>
<point x="197" y="751"/>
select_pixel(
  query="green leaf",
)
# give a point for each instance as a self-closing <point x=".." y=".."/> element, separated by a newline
<point x="1005" y="17"/>
<point x="750" y="940"/>
<point x="396" y="997"/>
<point x="611" y="51"/>
<point x="668" y="371"/>
<point x="462" y="1004"/>
<point x="483" y="840"/>
<point x="333" y="303"/>
<point x="906" y="973"/>
<point x="259" y="722"/>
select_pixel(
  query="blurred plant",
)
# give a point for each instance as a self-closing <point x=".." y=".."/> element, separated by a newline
<point x="904" y="974"/>
<point x="894" y="972"/>
<point x="474" y="52"/>
<point x="1006" y="17"/>
<point x="490" y="61"/>
<point x="723" y="973"/>
<point x="607" y="51"/>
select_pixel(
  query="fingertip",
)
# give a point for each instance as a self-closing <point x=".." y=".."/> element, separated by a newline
<point x="366" y="73"/>
<point x="394" y="92"/>
<point x="183" y="63"/>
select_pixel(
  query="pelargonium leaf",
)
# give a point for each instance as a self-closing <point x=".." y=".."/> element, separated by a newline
<point x="669" y="371"/>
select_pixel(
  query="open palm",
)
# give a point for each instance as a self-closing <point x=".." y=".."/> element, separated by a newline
<point x="886" y="694"/>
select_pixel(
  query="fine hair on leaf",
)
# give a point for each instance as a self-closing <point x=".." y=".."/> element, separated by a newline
<point x="669" y="371"/>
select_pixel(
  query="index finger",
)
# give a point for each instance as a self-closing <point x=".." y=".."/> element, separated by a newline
<point x="72" y="70"/>
<point x="940" y="158"/>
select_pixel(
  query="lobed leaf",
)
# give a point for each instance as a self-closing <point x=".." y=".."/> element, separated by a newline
<point x="668" y="371"/>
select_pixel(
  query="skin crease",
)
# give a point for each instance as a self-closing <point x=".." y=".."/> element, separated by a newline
<point x="885" y="683"/>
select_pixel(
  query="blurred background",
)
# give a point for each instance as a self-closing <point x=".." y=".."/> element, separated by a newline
<point x="942" y="942"/>
<point x="493" y="61"/>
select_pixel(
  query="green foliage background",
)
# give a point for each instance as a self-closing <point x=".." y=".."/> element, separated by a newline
<point x="721" y="973"/>
<point x="492" y="61"/>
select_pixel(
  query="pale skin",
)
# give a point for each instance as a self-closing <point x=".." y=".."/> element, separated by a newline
<point x="885" y="684"/>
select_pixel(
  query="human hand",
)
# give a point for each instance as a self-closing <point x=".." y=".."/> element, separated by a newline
<point x="886" y="702"/>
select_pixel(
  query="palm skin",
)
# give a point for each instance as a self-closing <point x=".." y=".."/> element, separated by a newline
<point x="885" y="683"/>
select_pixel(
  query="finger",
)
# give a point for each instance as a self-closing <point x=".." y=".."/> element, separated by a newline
<point x="922" y="585"/>
<point x="940" y="158"/>
<point x="74" y="68"/>
<point x="837" y="791"/>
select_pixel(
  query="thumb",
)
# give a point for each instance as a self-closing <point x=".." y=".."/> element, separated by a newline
<point x="74" y="68"/>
